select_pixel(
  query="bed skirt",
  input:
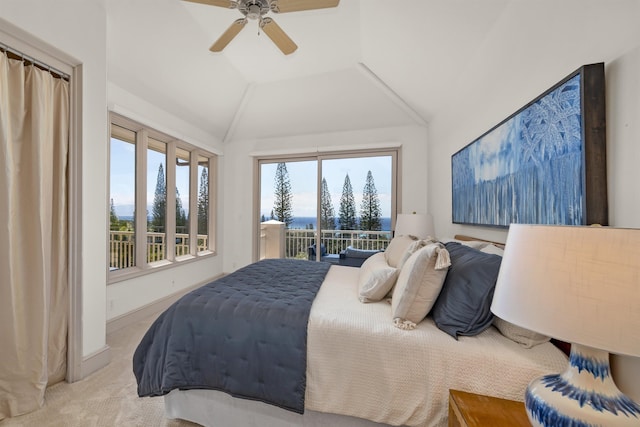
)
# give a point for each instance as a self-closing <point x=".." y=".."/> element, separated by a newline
<point x="212" y="408"/>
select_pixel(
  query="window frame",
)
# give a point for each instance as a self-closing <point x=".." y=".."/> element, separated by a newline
<point x="395" y="152"/>
<point x="142" y="267"/>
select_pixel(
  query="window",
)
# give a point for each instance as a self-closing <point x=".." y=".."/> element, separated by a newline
<point x="333" y="200"/>
<point x="155" y="183"/>
<point x="122" y="235"/>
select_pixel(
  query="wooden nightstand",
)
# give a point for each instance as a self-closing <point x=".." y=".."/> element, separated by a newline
<point x="474" y="410"/>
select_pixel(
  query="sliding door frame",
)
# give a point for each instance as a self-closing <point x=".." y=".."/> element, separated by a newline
<point x="394" y="152"/>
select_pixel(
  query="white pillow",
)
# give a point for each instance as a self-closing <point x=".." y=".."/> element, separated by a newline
<point x="492" y="249"/>
<point x="419" y="285"/>
<point x="522" y="336"/>
<point x="376" y="278"/>
<point x="400" y="249"/>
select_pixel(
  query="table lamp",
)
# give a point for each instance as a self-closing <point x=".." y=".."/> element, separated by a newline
<point x="414" y="224"/>
<point x="580" y="285"/>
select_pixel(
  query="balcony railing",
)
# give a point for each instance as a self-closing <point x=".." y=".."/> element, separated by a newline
<point x="122" y="250"/>
<point x="297" y="241"/>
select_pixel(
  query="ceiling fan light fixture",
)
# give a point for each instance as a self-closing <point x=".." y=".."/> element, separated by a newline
<point x="254" y="12"/>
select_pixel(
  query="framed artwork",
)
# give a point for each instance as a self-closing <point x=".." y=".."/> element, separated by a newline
<point x="544" y="164"/>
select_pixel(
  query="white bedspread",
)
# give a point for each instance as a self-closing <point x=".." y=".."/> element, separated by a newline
<point x="360" y="365"/>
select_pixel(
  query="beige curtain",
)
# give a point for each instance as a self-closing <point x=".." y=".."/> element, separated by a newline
<point x="34" y="139"/>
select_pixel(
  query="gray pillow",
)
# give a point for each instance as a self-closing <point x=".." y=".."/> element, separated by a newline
<point x="464" y="304"/>
<point x="359" y="253"/>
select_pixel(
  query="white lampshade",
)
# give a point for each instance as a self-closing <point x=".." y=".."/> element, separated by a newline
<point x="576" y="284"/>
<point x="580" y="285"/>
<point x="414" y="224"/>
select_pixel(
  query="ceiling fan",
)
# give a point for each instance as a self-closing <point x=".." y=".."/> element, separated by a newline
<point x="256" y="10"/>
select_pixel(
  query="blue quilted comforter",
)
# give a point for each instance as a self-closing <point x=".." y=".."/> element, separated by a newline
<point x="245" y="334"/>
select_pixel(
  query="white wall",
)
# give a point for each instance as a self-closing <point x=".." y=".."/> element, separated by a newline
<point x="238" y="177"/>
<point x="623" y="138"/>
<point x="517" y="62"/>
<point x="623" y="158"/>
<point x="84" y="39"/>
<point x="493" y="92"/>
<point x="128" y="295"/>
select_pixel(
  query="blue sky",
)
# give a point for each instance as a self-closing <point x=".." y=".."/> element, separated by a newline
<point x="123" y="178"/>
<point x="303" y="175"/>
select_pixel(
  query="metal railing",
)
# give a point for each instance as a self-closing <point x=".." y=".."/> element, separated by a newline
<point x="122" y="249"/>
<point x="297" y="241"/>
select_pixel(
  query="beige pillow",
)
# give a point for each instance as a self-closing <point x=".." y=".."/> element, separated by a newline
<point x="376" y="278"/>
<point x="522" y="336"/>
<point x="400" y="249"/>
<point x="419" y="285"/>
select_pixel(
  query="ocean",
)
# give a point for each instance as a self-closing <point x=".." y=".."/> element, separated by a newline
<point x="300" y="222"/>
<point x="303" y="221"/>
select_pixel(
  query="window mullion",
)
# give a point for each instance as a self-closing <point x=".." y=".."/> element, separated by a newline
<point x="141" y="199"/>
<point x="395" y="185"/>
<point x="193" y="201"/>
<point x="319" y="208"/>
<point x="213" y="202"/>
<point x="170" y="226"/>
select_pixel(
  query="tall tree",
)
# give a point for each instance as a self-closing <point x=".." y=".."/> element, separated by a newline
<point x="370" y="211"/>
<point x="347" y="219"/>
<point x="159" y="208"/>
<point x="181" y="216"/>
<point x="327" y="213"/>
<point x="282" y="206"/>
<point x="113" y="218"/>
<point x="203" y="203"/>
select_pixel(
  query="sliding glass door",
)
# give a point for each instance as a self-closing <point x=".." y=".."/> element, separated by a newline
<point x="288" y="194"/>
<point x="330" y="202"/>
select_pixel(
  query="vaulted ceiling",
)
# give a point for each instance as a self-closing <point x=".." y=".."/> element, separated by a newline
<point x="364" y="64"/>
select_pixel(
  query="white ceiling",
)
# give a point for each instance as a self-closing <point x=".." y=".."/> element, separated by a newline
<point x="364" y="64"/>
<point x="328" y="40"/>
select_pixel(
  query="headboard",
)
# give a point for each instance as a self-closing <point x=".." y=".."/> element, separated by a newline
<point x="465" y="238"/>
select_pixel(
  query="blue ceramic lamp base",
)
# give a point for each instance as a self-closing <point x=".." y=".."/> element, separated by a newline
<point x="585" y="395"/>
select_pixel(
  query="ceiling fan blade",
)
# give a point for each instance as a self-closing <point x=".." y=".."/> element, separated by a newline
<point x="284" y="6"/>
<point x="279" y="37"/>
<point x="228" y="35"/>
<point x="229" y="4"/>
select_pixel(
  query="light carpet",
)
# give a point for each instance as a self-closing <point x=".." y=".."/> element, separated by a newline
<point x="106" y="398"/>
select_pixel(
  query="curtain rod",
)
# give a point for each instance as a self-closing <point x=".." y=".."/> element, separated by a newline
<point x="32" y="60"/>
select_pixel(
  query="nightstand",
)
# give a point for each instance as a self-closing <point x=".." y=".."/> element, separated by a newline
<point x="475" y="410"/>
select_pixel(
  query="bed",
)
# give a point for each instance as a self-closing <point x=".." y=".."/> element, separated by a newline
<point x="363" y="368"/>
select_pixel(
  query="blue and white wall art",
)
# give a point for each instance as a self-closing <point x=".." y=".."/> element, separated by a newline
<point x="529" y="169"/>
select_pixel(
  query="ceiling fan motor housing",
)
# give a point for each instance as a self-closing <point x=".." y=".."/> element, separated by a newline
<point x="254" y="9"/>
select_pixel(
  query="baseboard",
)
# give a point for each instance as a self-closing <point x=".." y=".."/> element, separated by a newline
<point x="145" y="311"/>
<point x="95" y="361"/>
